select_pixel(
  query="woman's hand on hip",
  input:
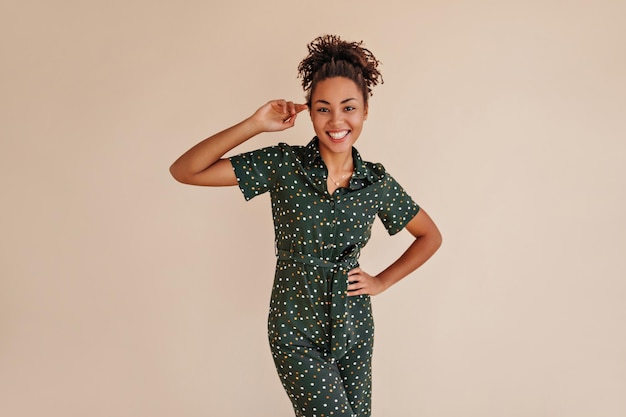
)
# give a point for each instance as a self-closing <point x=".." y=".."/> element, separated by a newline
<point x="360" y="283"/>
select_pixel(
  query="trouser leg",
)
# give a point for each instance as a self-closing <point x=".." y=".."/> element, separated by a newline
<point x="318" y="385"/>
<point x="356" y="374"/>
<point x="355" y="366"/>
<point x="313" y="382"/>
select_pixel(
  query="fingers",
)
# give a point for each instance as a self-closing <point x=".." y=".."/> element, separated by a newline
<point x="277" y="115"/>
<point x="357" y="282"/>
<point x="362" y="283"/>
<point x="300" y="107"/>
<point x="291" y="109"/>
<point x="287" y="107"/>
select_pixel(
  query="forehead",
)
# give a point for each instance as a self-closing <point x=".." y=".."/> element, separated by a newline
<point x="336" y="89"/>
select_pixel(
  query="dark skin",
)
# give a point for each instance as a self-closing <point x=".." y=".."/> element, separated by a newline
<point x="337" y="112"/>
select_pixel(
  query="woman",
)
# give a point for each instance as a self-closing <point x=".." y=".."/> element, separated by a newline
<point x="324" y="201"/>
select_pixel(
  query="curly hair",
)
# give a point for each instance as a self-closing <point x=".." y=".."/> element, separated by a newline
<point x="330" y="56"/>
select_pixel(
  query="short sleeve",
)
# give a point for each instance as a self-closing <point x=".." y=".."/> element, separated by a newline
<point x="257" y="171"/>
<point x="397" y="208"/>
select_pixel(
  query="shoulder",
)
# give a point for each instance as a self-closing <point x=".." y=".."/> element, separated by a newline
<point x="283" y="148"/>
<point x="269" y="154"/>
<point x="376" y="168"/>
<point x="374" y="172"/>
<point x="289" y="149"/>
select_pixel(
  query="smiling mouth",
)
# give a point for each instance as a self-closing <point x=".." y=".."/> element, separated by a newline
<point x="338" y="135"/>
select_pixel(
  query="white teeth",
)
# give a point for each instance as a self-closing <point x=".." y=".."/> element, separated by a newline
<point x="338" y="135"/>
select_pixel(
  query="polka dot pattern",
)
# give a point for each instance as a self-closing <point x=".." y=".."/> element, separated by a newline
<point x="321" y="339"/>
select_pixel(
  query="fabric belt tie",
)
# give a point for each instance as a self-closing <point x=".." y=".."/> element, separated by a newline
<point x="341" y="327"/>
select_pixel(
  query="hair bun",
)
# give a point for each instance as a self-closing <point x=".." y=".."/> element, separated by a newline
<point x="328" y="51"/>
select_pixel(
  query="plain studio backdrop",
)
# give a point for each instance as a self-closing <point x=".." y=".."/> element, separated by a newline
<point x="124" y="293"/>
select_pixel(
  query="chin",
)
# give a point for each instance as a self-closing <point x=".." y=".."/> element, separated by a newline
<point x="338" y="147"/>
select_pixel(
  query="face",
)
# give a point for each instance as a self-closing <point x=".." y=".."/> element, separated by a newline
<point x="337" y="112"/>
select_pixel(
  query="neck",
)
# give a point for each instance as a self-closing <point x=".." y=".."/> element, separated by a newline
<point x="337" y="162"/>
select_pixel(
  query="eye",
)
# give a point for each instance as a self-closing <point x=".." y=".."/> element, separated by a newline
<point x="349" y="108"/>
<point x="322" y="110"/>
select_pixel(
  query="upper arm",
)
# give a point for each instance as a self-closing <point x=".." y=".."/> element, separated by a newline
<point x="422" y="225"/>
<point x="396" y="208"/>
<point x="221" y="173"/>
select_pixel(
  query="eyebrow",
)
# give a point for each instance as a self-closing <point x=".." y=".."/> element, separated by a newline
<point x="342" y="102"/>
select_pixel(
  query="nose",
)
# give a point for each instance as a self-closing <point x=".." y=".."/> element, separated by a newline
<point x="336" y="118"/>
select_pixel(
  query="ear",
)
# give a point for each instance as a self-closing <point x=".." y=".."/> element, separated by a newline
<point x="365" y="111"/>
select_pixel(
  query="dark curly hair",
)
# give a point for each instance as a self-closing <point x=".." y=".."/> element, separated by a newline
<point x="329" y="56"/>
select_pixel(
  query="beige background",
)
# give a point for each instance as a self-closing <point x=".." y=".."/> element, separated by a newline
<point x="124" y="293"/>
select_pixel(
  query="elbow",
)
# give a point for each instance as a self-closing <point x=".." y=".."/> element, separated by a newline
<point x="433" y="240"/>
<point x="179" y="176"/>
<point x="437" y="240"/>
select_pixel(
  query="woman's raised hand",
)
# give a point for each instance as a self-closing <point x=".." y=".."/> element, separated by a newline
<point x="277" y="115"/>
<point x="204" y="164"/>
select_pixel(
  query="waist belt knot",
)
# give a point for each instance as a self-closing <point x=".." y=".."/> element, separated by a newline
<point x="341" y="327"/>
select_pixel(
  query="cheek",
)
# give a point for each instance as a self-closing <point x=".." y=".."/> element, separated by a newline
<point x="357" y="121"/>
<point x="317" y="121"/>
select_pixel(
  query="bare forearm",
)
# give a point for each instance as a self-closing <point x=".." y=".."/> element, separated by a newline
<point x="416" y="254"/>
<point x="210" y="150"/>
<point x="203" y="164"/>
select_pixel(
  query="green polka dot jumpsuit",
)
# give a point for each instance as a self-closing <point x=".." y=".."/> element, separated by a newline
<point x="321" y="339"/>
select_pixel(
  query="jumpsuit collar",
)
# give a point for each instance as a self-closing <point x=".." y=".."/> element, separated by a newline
<point x="313" y="158"/>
